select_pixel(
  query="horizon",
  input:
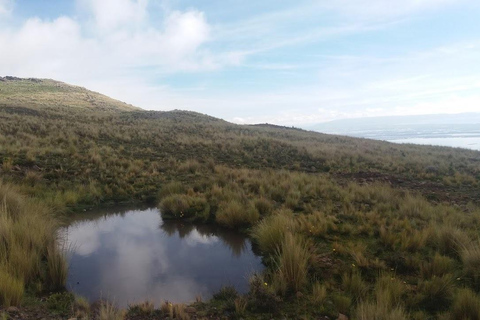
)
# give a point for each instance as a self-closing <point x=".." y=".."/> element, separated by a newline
<point x="289" y="64"/>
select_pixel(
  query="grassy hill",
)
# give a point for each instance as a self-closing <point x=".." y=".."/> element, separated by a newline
<point x="54" y="96"/>
<point x="342" y="222"/>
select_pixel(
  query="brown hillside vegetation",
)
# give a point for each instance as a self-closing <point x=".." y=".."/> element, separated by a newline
<point x="365" y="228"/>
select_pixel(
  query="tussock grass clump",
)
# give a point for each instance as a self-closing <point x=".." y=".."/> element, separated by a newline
<point x="108" y="311"/>
<point x="415" y="207"/>
<point x="236" y="214"/>
<point x="379" y="311"/>
<point x="184" y="206"/>
<point x="179" y="312"/>
<point x="440" y="265"/>
<point x="263" y="206"/>
<point x="316" y="223"/>
<point x="387" y="304"/>
<point x="27" y="236"/>
<point x="270" y="232"/>
<point x="389" y="290"/>
<point x="81" y="307"/>
<point x="319" y="293"/>
<point x="436" y="294"/>
<point x="353" y="284"/>
<point x="470" y="255"/>
<point x="170" y="188"/>
<point x="450" y="239"/>
<point x="11" y="289"/>
<point x="240" y="305"/>
<point x="292" y="260"/>
<point x="57" y="268"/>
<point x="466" y="306"/>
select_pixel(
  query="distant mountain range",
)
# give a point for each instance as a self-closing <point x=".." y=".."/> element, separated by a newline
<point x="399" y="127"/>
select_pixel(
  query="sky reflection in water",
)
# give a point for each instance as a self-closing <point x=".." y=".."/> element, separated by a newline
<point x="133" y="256"/>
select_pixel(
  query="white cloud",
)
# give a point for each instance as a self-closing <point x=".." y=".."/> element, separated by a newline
<point x="6" y="7"/>
<point x="111" y="14"/>
<point x="61" y="49"/>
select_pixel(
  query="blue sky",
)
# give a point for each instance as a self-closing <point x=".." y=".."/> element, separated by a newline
<point x="284" y="62"/>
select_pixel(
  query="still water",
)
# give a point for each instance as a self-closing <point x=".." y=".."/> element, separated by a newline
<point x="132" y="256"/>
<point x="455" y="142"/>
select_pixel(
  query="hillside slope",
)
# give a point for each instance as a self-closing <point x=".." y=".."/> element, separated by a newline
<point x="52" y="133"/>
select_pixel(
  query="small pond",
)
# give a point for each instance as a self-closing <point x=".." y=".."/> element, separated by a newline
<point x="131" y="256"/>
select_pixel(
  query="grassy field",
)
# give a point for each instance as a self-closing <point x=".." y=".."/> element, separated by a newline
<point x="369" y="229"/>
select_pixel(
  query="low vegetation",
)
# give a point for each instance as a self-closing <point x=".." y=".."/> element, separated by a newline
<point x="365" y="228"/>
<point x="30" y="257"/>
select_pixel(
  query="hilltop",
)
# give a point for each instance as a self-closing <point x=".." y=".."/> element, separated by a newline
<point x="50" y="94"/>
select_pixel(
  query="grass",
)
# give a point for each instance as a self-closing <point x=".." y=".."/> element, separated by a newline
<point x="235" y="214"/>
<point x="108" y="311"/>
<point x="319" y="293"/>
<point x="470" y="256"/>
<point x="466" y="305"/>
<point x="28" y="246"/>
<point x="292" y="261"/>
<point x="11" y="289"/>
<point x="270" y="232"/>
<point x="377" y="311"/>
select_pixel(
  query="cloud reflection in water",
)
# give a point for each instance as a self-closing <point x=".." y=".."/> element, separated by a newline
<point x="134" y="256"/>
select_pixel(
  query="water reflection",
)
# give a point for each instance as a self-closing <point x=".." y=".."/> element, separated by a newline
<point x="133" y="255"/>
<point x="205" y="234"/>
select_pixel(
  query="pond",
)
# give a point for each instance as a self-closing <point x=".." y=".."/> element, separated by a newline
<point x="131" y="256"/>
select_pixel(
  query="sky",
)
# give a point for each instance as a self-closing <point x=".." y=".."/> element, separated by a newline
<point x="283" y="62"/>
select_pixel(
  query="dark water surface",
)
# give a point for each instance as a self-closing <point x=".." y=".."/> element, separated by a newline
<point x="132" y="256"/>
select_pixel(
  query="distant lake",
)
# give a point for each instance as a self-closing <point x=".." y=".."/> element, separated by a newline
<point x="449" y="130"/>
<point x="133" y="255"/>
<point x="456" y="142"/>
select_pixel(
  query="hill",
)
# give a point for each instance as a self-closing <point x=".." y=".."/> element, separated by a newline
<point x="342" y="222"/>
<point x="57" y="132"/>
<point x="50" y="94"/>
